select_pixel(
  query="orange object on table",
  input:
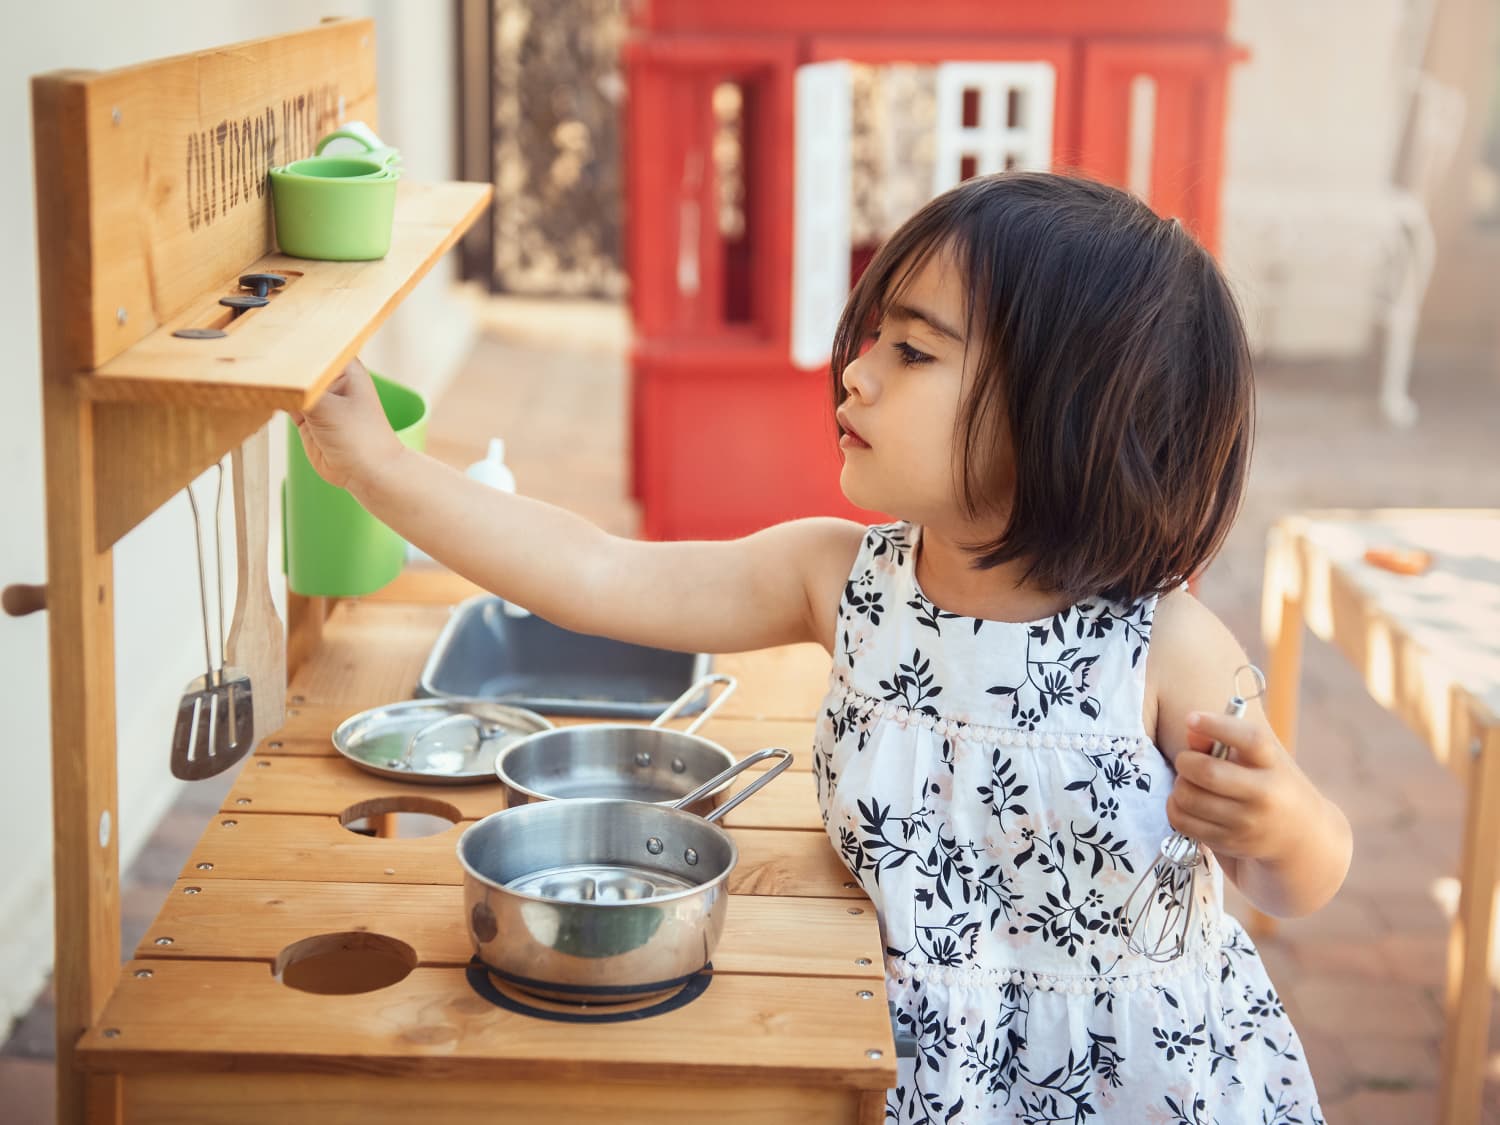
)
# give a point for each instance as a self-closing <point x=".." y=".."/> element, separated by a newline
<point x="1399" y="560"/>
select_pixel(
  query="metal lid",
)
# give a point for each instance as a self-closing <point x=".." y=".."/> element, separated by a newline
<point x="434" y="741"/>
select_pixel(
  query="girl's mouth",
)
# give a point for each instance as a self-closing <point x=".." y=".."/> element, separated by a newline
<point x="850" y="438"/>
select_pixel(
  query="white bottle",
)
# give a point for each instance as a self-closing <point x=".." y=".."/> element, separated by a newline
<point x="493" y="471"/>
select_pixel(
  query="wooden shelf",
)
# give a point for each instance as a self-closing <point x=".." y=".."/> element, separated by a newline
<point x="282" y="356"/>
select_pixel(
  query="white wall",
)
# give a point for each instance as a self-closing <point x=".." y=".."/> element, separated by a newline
<point x="1313" y="127"/>
<point x="158" y="636"/>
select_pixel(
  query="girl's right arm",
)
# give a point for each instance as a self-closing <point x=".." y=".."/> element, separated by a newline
<point x="778" y="586"/>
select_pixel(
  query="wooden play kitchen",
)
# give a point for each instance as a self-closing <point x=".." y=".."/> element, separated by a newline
<point x="300" y="971"/>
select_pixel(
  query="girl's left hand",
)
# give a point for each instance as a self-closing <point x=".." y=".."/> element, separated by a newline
<point x="1251" y="804"/>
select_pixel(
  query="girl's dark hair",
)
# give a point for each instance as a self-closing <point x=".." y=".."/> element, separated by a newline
<point x="1110" y="353"/>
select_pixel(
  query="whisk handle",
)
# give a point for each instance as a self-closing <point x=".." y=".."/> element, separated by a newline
<point x="1235" y="709"/>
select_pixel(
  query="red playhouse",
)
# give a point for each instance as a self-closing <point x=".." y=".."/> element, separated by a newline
<point x="771" y="145"/>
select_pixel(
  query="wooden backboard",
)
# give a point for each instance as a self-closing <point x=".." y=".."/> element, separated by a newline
<point x="160" y="169"/>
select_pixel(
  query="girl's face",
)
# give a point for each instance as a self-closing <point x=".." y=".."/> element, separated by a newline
<point x="900" y="419"/>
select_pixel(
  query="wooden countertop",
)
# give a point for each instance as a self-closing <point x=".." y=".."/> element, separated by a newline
<point x="796" y="999"/>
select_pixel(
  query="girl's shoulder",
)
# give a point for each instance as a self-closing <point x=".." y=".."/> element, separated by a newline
<point x="826" y="551"/>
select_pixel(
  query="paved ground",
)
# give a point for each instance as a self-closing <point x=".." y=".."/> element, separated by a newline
<point x="1363" y="977"/>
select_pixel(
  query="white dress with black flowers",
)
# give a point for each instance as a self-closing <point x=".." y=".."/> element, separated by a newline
<point x="993" y="788"/>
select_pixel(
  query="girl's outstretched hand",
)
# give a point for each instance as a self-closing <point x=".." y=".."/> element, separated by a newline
<point x="1253" y="804"/>
<point x="346" y="433"/>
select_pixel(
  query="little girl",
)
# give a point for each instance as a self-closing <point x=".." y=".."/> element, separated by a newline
<point x="1048" y="385"/>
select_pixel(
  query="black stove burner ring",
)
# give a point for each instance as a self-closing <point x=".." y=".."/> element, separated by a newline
<point x="481" y="982"/>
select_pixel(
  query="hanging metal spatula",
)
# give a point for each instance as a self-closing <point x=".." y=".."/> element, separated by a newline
<point x="215" y="717"/>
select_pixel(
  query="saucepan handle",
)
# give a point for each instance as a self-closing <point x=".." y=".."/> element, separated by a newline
<point x="692" y="693"/>
<point x="738" y="768"/>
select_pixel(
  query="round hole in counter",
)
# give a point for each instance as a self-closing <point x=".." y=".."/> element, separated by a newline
<point x="406" y="817"/>
<point x="344" y="964"/>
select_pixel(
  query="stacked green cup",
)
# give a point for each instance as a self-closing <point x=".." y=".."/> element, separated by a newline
<point x="337" y="208"/>
<point x="332" y="546"/>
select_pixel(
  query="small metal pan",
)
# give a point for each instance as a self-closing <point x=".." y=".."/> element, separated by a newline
<point x="435" y="741"/>
<point x="621" y="761"/>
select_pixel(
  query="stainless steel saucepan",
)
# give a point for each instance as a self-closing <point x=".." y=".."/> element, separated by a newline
<point x="602" y="901"/>
<point x="624" y="761"/>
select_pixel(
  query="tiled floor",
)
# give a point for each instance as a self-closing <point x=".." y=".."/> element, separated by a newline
<point x="1363" y="977"/>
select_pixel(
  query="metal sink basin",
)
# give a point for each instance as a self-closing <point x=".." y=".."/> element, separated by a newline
<point x="486" y="653"/>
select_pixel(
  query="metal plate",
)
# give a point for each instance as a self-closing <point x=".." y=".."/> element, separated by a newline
<point x="485" y="653"/>
<point x="434" y="741"/>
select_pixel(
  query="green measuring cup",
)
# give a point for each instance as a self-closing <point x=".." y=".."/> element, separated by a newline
<point x="332" y="547"/>
<point x="337" y="208"/>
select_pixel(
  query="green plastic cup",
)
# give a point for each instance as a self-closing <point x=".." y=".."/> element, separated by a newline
<point x="336" y="208"/>
<point x="333" y="547"/>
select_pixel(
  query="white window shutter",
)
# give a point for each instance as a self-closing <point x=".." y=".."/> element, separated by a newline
<point x="821" y="211"/>
<point x="1021" y="90"/>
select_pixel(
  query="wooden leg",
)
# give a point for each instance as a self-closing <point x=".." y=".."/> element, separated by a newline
<point x="104" y="1099"/>
<point x="304" y="629"/>
<point x="1281" y="629"/>
<point x="872" y="1107"/>
<point x="1466" y="1035"/>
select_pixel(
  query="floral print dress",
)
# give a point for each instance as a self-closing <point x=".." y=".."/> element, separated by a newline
<point x="992" y="787"/>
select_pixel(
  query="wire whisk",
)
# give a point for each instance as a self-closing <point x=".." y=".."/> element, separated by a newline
<point x="1159" y="909"/>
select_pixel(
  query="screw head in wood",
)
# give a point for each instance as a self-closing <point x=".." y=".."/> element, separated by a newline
<point x="243" y="301"/>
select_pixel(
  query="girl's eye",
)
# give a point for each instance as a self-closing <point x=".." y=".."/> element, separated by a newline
<point x="910" y="356"/>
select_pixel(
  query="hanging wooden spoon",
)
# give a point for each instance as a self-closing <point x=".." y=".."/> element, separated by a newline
<point x="257" y="640"/>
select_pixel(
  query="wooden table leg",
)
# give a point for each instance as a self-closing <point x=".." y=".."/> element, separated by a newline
<point x="1281" y="629"/>
<point x="1466" y="1034"/>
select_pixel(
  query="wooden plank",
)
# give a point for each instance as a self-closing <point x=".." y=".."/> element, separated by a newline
<point x="786" y="683"/>
<point x="216" y="1016"/>
<point x="342" y="670"/>
<point x="328" y="786"/>
<point x="282" y="356"/>
<point x="173" y="154"/>
<point x="327" y="1099"/>
<point x="427" y="585"/>
<point x="80" y="599"/>
<point x="254" y="920"/>
<point x="278" y="357"/>
<point x="317" y="849"/>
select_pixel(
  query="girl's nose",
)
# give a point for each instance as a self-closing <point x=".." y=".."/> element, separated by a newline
<point x="859" y="378"/>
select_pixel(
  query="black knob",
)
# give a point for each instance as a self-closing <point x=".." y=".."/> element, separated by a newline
<point x="243" y="301"/>
<point x="262" y="283"/>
